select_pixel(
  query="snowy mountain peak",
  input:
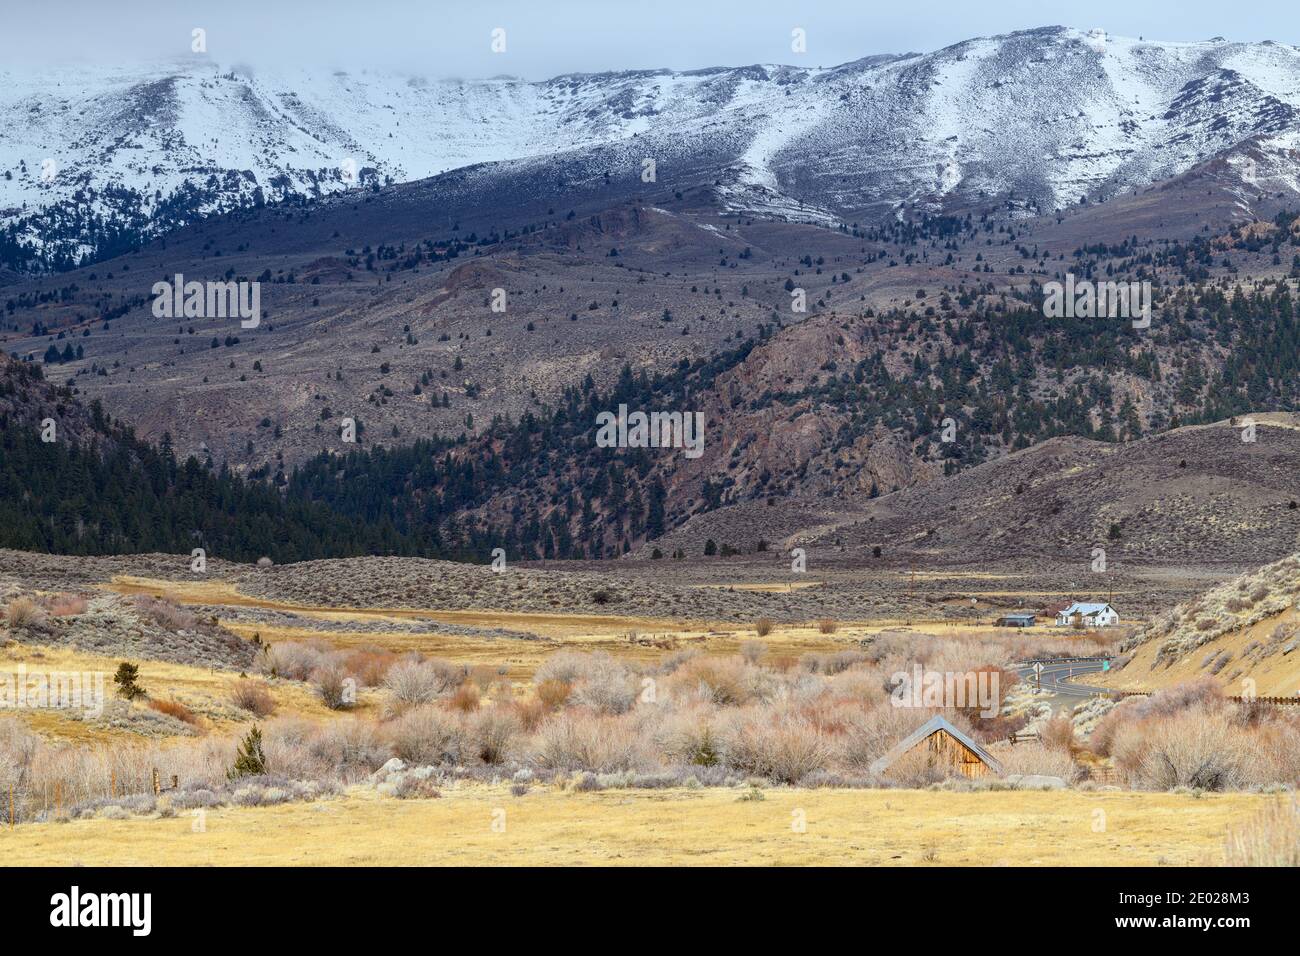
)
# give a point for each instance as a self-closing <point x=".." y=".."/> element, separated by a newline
<point x="93" y="159"/>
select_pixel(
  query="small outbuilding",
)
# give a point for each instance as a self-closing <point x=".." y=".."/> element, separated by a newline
<point x="1017" y="620"/>
<point x="939" y="743"/>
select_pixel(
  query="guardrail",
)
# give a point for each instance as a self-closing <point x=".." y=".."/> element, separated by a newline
<point x="1235" y="698"/>
<point x="1061" y="660"/>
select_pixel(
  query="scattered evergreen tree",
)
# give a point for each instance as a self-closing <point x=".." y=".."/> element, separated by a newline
<point x="250" y="761"/>
<point x="125" y="679"/>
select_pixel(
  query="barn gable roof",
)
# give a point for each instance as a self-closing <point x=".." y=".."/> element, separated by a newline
<point x="932" y="726"/>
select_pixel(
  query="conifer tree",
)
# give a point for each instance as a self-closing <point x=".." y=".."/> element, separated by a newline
<point x="125" y="679"/>
<point x="250" y="761"/>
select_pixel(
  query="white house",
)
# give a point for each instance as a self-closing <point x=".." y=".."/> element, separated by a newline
<point x="1092" y="615"/>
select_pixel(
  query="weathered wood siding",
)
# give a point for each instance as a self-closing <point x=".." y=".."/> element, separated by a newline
<point x="947" y="750"/>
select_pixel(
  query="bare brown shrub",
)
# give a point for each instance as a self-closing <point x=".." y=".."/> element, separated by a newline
<point x="291" y="660"/>
<point x="429" y="735"/>
<point x="369" y="665"/>
<point x="1036" y="758"/>
<point x="530" y="713"/>
<point x="831" y="663"/>
<point x="1058" y="734"/>
<point x="718" y="680"/>
<point x="690" y="737"/>
<point x="253" y="696"/>
<point x="782" y="745"/>
<point x="582" y="741"/>
<point x="466" y="698"/>
<point x="605" y="685"/>
<point x="1203" y="751"/>
<point x="174" y="708"/>
<point x="493" y="732"/>
<point x="553" y="693"/>
<point x="566" y="666"/>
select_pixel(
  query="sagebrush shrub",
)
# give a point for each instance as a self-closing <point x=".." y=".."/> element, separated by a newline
<point x="412" y="682"/>
<point x="166" y="614"/>
<point x="24" y="613"/>
<point x="334" y="686"/>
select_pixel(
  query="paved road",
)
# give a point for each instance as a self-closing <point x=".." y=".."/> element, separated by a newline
<point x="1056" y="678"/>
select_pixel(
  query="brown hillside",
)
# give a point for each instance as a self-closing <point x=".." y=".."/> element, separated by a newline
<point x="1245" y="630"/>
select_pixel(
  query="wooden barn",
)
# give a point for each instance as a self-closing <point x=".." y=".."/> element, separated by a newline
<point x="938" y="742"/>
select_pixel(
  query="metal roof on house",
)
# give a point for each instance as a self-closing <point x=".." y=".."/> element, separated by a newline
<point x="1080" y="608"/>
<point x="931" y="726"/>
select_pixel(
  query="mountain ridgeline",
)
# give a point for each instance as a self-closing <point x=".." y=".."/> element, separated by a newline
<point x="1064" y="117"/>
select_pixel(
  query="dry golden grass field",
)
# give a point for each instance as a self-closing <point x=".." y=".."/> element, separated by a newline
<point x="192" y="686"/>
<point x="486" y="825"/>
<point x="640" y="638"/>
<point x="554" y="823"/>
<point x="643" y="639"/>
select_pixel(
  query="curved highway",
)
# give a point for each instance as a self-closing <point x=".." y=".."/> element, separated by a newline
<point x="1057" y="677"/>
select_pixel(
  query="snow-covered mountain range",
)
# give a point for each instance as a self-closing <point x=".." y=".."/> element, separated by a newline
<point x="91" y="159"/>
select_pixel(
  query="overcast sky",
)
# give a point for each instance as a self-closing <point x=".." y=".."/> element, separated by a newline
<point x="546" y="37"/>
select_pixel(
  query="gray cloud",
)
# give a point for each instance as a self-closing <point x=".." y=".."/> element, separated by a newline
<point x="546" y="37"/>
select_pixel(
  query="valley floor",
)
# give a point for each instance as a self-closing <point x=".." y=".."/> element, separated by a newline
<point x="552" y="823"/>
<point x="485" y="825"/>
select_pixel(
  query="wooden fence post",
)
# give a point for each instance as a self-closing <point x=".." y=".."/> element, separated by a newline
<point x="157" y="787"/>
